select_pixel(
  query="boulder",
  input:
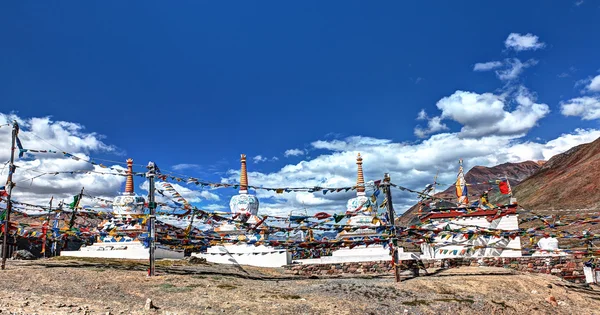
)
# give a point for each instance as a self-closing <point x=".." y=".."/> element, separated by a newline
<point x="23" y="254"/>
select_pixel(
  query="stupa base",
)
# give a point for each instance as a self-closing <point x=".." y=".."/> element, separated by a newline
<point x="122" y="250"/>
<point x="260" y="256"/>
<point x="549" y="253"/>
<point x="358" y="254"/>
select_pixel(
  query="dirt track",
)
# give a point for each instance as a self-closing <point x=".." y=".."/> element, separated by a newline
<point x="91" y="287"/>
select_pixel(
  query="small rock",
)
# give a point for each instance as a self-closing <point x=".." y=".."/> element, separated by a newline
<point x="549" y="286"/>
<point x="562" y="303"/>
<point x="534" y="292"/>
<point x="149" y="306"/>
<point x="552" y="300"/>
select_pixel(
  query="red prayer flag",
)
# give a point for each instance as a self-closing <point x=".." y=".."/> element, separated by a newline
<point x="504" y="188"/>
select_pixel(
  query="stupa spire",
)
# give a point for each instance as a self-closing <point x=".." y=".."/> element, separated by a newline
<point x="360" y="179"/>
<point x="129" y="182"/>
<point x="243" y="176"/>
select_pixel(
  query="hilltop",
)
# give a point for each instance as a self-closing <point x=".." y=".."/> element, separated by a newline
<point x="569" y="180"/>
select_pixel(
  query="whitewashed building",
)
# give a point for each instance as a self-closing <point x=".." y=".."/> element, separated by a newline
<point x="448" y="244"/>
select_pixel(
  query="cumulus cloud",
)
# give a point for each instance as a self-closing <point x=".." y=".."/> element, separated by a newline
<point x="191" y="195"/>
<point x="486" y="66"/>
<point x="486" y="114"/>
<point x="259" y="158"/>
<point x="185" y="166"/>
<point x="42" y="133"/>
<point x="594" y="84"/>
<point x="587" y="107"/>
<point x="520" y="42"/>
<point x="434" y="125"/>
<point x="293" y="152"/>
<point x="412" y="165"/>
<point x="512" y="68"/>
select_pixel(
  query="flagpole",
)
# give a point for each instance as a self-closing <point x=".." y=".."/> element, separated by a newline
<point x="151" y="226"/>
<point x="10" y="185"/>
<point x="45" y="228"/>
<point x="390" y="209"/>
<point x="72" y="221"/>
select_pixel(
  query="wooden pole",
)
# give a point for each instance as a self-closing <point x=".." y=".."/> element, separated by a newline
<point x="9" y="187"/>
<point x="55" y="226"/>
<point x="72" y="221"/>
<point x="152" y="206"/>
<point x="390" y="209"/>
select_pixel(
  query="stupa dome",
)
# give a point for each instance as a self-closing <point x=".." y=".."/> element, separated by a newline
<point x="243" y="203"/>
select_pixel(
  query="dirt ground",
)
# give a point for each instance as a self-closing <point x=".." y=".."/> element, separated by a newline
<point x="116" y="287"/>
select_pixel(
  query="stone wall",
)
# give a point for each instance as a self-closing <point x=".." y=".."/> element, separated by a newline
<point x="569" y="267"/>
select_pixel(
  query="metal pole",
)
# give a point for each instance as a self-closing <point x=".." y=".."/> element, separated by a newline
<point x="152" y="206"/>
<point x="9" y="187"/>
<point x="390" y="209"/>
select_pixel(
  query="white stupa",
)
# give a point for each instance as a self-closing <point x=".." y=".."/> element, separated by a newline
<point x="119" y="237"/>
<point x="365" y="219"/>
<point x="361" y="206"/>
<point x="244" y="208"/>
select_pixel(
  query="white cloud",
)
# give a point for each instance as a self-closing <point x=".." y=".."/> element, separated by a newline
<point x="520" y="42"/>
<point x="215" y="207"/>
<point x="588" y="108"/>
<point x="185" y="166"/>
<point x="485" y="114"/>
<point x="410" y="165"/>
<point x="486" y="66"/>
<point x="434" y="125"/>
<point x="259" y="158"/>
<point x="191" y="195"/>
<point x="43" y="133"/>
<point x="513" y="68"/>
<point x="594" y="84"/>
<point x="293" y="152"/>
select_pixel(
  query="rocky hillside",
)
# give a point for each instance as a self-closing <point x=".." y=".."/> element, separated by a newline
<point x="516" y="172"/>
<point x="570" y="180"/>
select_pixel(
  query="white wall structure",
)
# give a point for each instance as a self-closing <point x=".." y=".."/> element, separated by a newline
<point x="122" y="250"/>
<point x="358" y="254"/>
<point x="260" y="256"/>
<point x="458" y="245"/>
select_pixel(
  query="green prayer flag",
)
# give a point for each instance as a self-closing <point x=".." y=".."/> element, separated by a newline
<point x="74" y="203"/>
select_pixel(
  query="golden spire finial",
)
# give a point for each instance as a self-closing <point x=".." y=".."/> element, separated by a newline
<point x="360" y="180"/>
<point x="129" y="181"/>
<point x="243" y="175"/>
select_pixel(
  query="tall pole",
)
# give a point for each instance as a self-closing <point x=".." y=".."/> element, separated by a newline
<point x="152" y="206"/>
<point x="9" y="187"/>
<point x="72" y="221"/>
<point x="45" y="228"/>
<point x="55" y="233"/>
<point x="390" y="209"/>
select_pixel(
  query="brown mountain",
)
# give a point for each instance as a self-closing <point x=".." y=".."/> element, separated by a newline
<point x="516" y="172"/>
<point x="570" y="180"/>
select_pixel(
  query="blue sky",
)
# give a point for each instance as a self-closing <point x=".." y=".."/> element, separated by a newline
<point x="193" y="84"/>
